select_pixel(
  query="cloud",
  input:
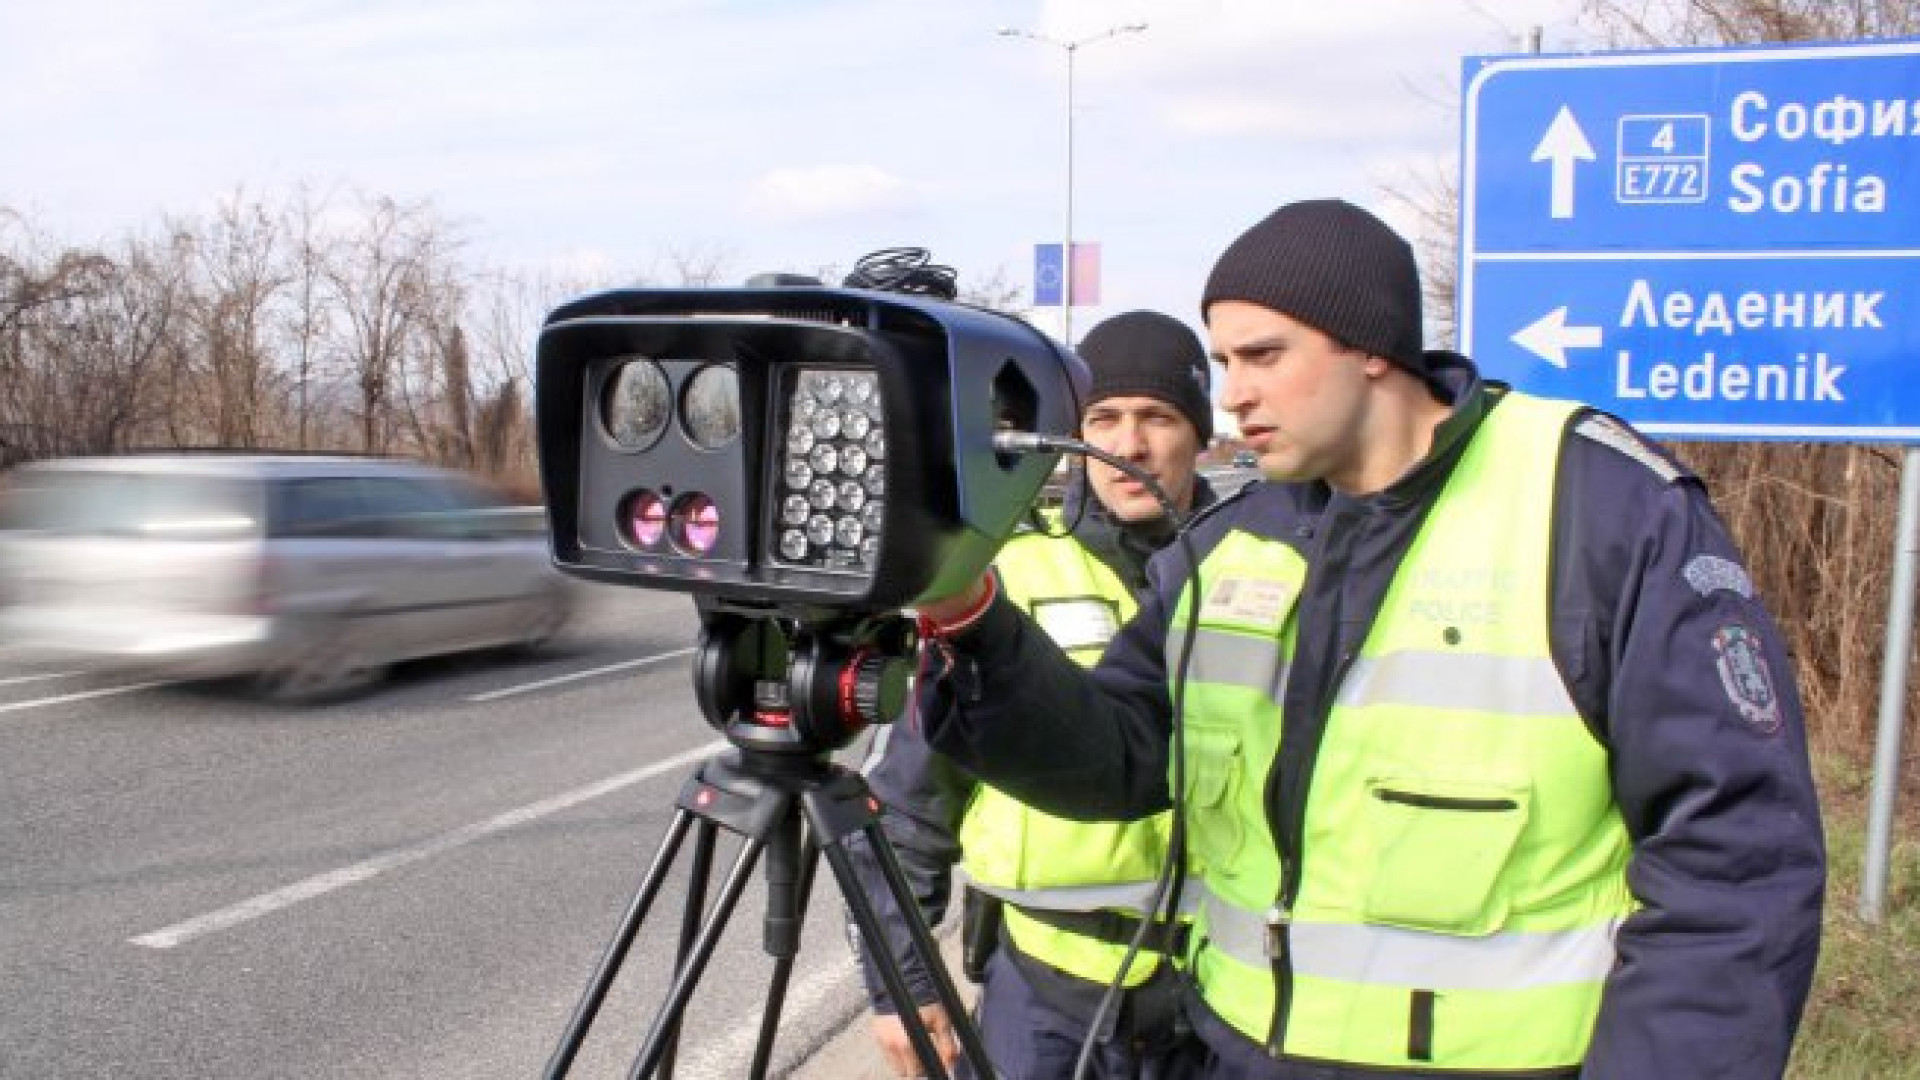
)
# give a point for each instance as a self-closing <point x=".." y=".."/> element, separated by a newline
<point x="824" y="192"/>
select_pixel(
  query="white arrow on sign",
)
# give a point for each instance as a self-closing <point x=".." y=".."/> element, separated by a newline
<point x="1549" y="337"/>
<point x="1563" y="144"/>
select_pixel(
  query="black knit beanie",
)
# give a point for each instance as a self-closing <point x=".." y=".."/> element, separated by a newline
<point x="1154" y="355"/>
<point x="1336" y="268"/>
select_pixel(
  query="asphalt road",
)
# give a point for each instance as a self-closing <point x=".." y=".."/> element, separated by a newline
<point x="416" y="883"/>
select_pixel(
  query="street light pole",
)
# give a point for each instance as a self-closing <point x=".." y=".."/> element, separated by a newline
<point x="1066" y="245"/>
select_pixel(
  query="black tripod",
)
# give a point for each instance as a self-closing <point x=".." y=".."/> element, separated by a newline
<point x="786" y="692"/>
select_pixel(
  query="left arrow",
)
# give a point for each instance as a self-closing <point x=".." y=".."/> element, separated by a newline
<point x="1549" y="337"/>
<point x="1563" y="144"/>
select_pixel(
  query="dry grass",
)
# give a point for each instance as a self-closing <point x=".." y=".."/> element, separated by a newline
<point x="1861" y="1019"/>
<point x="1817" y="525"/>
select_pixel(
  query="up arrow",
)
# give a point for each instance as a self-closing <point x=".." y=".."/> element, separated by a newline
<point x="1563" y="144"/>
<point x="1550" y="337"/>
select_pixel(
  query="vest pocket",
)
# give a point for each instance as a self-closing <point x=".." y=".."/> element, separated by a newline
<point x="1438" y="849"/>
<point x="1214" y="828"/>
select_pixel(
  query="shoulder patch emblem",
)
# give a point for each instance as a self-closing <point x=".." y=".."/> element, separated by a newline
<point x="1607" y="431"/>
<point x="1707" y="573"/>
<point x="1746" y="677"/>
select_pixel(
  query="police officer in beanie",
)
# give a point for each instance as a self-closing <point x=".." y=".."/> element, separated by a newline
<point x="1052" y="904"/>
<point x="1494" y="763"/>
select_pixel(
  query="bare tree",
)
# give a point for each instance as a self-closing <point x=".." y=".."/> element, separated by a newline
<point x="695" y="268"/>
<point x="505" y="313"/>
<point x="1658" y="23"/>
<point x="997" y="291"/>
<point x="307" y="321"/>
<point x="382" y="283"/>
<point x="96" y="360"/>
<point x="241" y="272"/>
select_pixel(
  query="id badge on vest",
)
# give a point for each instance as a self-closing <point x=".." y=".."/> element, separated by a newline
<point x="1081" y="622"/>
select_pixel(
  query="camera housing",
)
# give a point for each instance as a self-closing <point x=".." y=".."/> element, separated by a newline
<point x="794" y="448"/>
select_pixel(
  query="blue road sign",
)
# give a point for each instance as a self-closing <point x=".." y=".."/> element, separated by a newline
<point x="1718" y="243"/>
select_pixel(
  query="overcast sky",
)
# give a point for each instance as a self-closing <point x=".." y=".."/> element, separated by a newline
<point x="600" y="135"/>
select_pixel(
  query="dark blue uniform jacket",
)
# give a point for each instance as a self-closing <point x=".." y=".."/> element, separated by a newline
<point x="1707" y="742"/>
<point x="926" y="796"/>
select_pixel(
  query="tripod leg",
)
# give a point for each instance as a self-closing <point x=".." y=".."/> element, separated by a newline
<point x="616" y="950"/>
<point x="790" y="866"/>
<point x="687" y="976"/>
<point x="871" y="931"/>
<point x="923" y="943"/>
<point x="697" y="877"/>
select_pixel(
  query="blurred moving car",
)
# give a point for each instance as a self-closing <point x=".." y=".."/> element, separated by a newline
<point x="310" y="574"/>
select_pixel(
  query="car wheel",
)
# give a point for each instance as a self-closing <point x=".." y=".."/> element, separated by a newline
<point x="326" y="664"/>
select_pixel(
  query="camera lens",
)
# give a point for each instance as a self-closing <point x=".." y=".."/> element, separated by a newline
<point x="635" y="404"/>
<point x="710" y="407"/>
<point x="645" y="519"/>
<point x="695" y="521"/>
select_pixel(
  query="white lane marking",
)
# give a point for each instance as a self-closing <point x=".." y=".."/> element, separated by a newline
<point x="321" y="884"/>
<point x="82" y="695"/>
<point x="522" y="688"/>
<point x="38" y="678"/>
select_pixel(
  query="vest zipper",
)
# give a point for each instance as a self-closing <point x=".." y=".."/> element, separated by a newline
<point x="1279" y="955"/>
<point x="1287" y="817"/>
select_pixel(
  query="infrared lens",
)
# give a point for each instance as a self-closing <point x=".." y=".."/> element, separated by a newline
<point x="695" y="521"/>
<point x="645" y="519"/>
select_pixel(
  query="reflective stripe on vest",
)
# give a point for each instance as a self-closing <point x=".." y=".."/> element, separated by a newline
<point x="1029" y="857"/>
<point x="1388" y="956"/>
<point x="1462" y="862"/>
<point x="1132" y="898"/>
<point x="1225" y="659"/>
<point x="1507" y="685"/>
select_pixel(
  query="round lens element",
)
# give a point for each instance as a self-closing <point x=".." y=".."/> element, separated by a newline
<point x="645" y="519"/>
<point x="799" y="474"/>
<point x="695" y="522"/>
<point x="710" y="407"/>
<point x="635" y="404"/>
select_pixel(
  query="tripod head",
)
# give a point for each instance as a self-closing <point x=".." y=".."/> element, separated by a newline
<point x="790" y="681"/>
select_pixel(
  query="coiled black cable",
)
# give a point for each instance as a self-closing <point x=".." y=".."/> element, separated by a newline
<point x="909" y="270"/>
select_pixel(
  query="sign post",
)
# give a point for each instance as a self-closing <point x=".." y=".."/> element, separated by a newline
<point x="1712" y="244"/>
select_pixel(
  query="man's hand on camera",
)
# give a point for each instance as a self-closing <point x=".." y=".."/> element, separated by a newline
<point x="890" y="1034"/>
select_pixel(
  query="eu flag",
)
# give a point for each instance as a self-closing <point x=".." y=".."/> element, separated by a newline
<point x="1048" y="274"/>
